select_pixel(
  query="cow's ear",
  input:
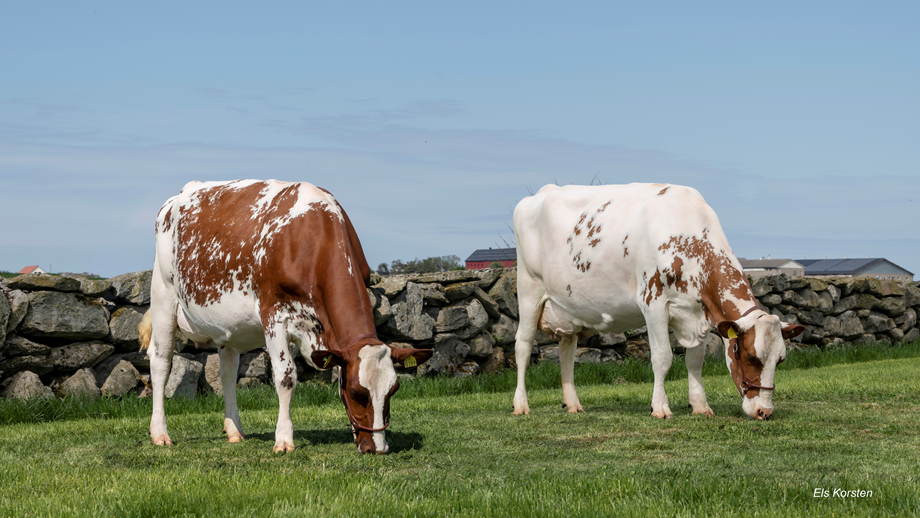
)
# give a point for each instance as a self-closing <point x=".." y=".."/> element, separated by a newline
<point x="326" y="359"/>
<point x="792" y="331"/>
<point x="729" y="329"/>
<point x="410" y="357"/>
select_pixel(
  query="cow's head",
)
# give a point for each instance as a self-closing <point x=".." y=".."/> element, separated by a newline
<point x="367" y="381"/>
<point x="761" y="346"/>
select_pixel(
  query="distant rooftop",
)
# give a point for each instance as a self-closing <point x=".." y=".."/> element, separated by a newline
<point x="493" y="254"/>
<point x="842" y="266"/>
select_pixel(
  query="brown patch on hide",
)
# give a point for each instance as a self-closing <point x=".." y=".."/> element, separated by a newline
<point x="594" y="242"/>
<point x="663" y="191"/>
<point x="569" y="288"/>
<point x="603" y="207"/>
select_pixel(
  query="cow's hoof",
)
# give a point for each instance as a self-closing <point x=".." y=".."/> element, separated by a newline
<point x="662" y="415"/>
<point x="162" y="440"/>
<point x="706" y="412"/>
<point x="574" y="409"/>
<point x="236" y="438"/>
<point x="523" y="411"/>
<point x="283" y="448"/>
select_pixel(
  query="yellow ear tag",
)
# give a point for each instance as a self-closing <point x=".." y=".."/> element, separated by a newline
<point x="327" y="361"/>
<point x="731" y="333"/>
<point x="409" y="362"/>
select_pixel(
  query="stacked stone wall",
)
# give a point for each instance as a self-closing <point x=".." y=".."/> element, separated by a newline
<point x="65" y="335"/>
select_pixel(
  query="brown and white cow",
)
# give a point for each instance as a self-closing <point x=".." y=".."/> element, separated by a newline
<point x="249" y="264"/>
<point x="611" y="258"/>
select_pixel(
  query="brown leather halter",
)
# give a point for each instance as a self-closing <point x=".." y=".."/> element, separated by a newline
<point x="355" y="426"/>
<point x="746" y="384"/>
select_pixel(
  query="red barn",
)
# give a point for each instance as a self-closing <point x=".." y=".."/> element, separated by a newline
<point x="483" y="258"/>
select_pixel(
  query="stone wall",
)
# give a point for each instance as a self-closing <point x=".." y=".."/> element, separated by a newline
<point x="69" y="335"/>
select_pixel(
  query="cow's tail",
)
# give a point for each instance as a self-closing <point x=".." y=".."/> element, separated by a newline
<point x="145" y="330"/>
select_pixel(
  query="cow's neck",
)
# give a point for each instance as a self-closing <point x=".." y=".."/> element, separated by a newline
<point x="348" y="311"/>
<point x="727" y="295"/>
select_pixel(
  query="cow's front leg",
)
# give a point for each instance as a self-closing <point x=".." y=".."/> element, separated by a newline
<point x="694" y="358"/>
<point x="567" y="365"/>
<point x="285" y="375"/>
<point x="229" y="365"/>
<point x="660" y="347"/>
<point x="160" y="350"/>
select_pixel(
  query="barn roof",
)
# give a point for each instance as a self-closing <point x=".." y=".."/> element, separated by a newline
<point x="28" y="269"/>
<point x="843" y="266"/>
<point x="493" y="254"/>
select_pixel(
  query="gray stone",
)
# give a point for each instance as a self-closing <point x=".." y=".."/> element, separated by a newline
<point x="771" y="299"/>
<point x="863" y="313"/>
<point x="639" y="349"/>
<point x="133" y="288"/>
<point x="864" y="339"/>
<point x="912" y="294"/>
<point x="249" y="383"/>
<point x="813" y="317"/>
<point x="452" y="318"/>
<point x="69" y="358"/>
<point x="433" y="295"/>
<point x="761" y="286"/>
<point x="825" y="301"/>
<point x="391" y="285"/>
<point x="183" y="378"/>
<point x="892" y="306"/>
<point x="478" y="319"/>
<point x="81" y="384"/>
<point x="611" y="339"/>
<point x="38" y="364"/>
<point x="449" y="353"/>
<point x="797" y="283"/>
<point x="806" y="298"/>
<point x="210" y="379"/>
<point x="543" y="338"/>
<point x="381" y="305"/>
<point x="896" y="335"/>
<point x="813" y="334"/>
<point x="912" y="335"/>
<point x="254" y="365"/>
<point x="504" y="330"/>
<point x="96" y="288"/>
<point x="467" y="369"/>
<point x="64" y="315"/>
<point x="877" y="323"/>
<point x="445" y="278"/>
<point x="582" y="354"/>
<point x="488" y="276"/>
<point x="832" y="326"/>
<point x="123" y="327"/>
<point x="834" y="292"/>
<point x="103" y="369"/>
<point x="504" y="292"/>
<point x="409" y="322"/>
<point x="850" y="325"/>
<point x="481" y="345"/>
<point x="610" y="355"/>
<point x="43" y="282"/>
<point x="20" y="346"/>
<point x="713" y="343"/>
<point x="491" y="307"/>
<point x="25" y="385"/>
<point x="855" y="301"/>
<point x="460" y="290"/>
<point x="19" y="305"/>
<point x="907" y="320"/>
<point x="146" y="389"/>
<point x="495" y="362"/>
<point x="5" y="313"/>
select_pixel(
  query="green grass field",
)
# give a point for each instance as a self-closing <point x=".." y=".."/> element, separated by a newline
<point x="846" y="419"/>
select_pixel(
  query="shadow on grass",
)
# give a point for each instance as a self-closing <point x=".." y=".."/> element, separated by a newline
<point x="398" y="441"/>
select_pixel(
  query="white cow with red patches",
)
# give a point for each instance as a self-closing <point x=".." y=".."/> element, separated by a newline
<point x="250" y="264"/>
<point x="612" y="258"/>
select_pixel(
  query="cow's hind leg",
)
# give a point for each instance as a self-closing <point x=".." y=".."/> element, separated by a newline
<point x="229" y="365"/>
<point x="694" y="358"/>
<point x="160" y="350"/>
<point x="285" y="375"/>
<point x="660" y="346"/>
<point x="530" y="302"/>
<point x="567" y="365"/>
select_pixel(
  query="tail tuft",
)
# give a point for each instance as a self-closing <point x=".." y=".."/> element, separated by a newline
<point x="145" y="330"/>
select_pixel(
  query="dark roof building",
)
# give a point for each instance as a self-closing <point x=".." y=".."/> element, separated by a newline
<point x="484" y="257"/>
<point x="879" y="268"/>
<point x="761" y="267"/>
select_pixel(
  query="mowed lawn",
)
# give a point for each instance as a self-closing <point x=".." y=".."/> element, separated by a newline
<point x="847" y="426"/>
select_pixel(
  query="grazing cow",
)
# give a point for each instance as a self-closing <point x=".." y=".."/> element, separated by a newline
<point x="249" y="264"/>
<point x="610" y="258"/>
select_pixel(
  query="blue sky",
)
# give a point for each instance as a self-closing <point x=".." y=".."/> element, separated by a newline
<point x="799" y="124"/>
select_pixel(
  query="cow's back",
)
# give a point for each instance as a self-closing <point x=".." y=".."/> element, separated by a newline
<point x="222" y="243"/>
<point x="596" y="249"/>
